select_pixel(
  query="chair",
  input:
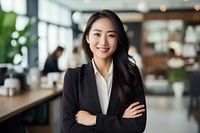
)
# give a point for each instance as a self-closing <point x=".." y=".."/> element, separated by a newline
<point x="194" y="89"/>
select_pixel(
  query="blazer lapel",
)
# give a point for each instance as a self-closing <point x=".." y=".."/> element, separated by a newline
<point x="91" y="83"/>
<point x="114" y="98"/>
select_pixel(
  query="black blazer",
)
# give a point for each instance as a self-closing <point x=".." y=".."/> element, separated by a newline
<point x="80" y="93"/>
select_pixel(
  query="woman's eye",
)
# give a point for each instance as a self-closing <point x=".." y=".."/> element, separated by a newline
<point x="112" y="35"/>
<point x="96" y="34"/>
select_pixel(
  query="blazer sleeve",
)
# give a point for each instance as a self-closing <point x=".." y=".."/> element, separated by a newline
<point x="117" y="124"/>
<point x="70" y="107"/>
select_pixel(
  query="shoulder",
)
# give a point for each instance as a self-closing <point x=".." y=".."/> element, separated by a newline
<point x="74" y="71"/>
<point x="81" y="70"/>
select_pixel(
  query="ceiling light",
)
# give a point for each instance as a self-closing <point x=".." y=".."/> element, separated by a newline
<point x="197" y="7"/>
<point x="87" y="1"/>
<point x="142" y="6"/>
<point x="76" y="17"/>
<point x="163" y="8"/>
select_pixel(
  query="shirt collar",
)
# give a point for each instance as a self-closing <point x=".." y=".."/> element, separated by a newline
<point x="110" y="71"/>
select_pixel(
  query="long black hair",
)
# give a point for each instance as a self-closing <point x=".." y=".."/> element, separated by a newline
<point x="127" y="72"/>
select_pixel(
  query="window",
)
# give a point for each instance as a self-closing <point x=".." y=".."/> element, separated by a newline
<point x="54" y="29"/>
<point x="18" y="6"/>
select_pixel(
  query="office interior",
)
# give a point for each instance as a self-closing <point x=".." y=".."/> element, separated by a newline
<point x="153" y="27"/>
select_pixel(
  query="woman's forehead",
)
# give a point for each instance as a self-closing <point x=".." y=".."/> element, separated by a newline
<point x="103" y="23"/>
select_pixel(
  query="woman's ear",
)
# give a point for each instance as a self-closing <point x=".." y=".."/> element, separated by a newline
<point x="87" y="39"/>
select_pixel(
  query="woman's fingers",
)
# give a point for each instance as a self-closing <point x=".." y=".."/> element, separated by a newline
<point x="137" y="107"/>
<point x="133" y="105"/>
<point x="85" y="118"/>
<point x="134" y="110"/>
<point x="138" y="115"/>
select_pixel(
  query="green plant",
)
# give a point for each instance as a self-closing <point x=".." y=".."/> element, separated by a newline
<point x="177" y="74"/>
<point x="12" y="40"/>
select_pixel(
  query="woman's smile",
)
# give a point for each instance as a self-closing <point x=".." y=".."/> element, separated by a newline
<point x="102" y="39"/>
<point x="103" y="50"/>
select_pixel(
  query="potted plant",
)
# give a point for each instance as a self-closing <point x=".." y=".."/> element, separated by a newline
<point x="177" y="78"/>
<point x="11" y="45"/>
<point x="177" y="75"/>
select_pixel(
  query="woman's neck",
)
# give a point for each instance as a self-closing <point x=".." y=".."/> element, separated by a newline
<point x="103" y="66"/>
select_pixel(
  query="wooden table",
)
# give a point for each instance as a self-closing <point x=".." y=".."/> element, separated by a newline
<point x="13" y="105"/>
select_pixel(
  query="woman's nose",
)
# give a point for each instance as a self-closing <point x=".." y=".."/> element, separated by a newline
<point x="103" y="40"/>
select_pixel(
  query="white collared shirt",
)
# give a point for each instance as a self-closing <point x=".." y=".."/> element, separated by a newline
<point x="104" y="86"/>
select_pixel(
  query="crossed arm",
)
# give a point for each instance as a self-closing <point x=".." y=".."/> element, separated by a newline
<point x="132" y="119"/>
<point x="85" y="118"/>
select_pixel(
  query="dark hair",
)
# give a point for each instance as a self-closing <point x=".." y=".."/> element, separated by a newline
<point x="172" y="52"/>
<point x="58" y="48"/>
<point x="75" y="49"/>
<point x="127" y="72"/>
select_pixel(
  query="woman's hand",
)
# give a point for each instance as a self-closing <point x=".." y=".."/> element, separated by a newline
<point x="134" y="110"/>
<point x="85" y="118"/>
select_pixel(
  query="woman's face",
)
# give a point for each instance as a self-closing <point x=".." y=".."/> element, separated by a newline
<point x="102" y="39"/>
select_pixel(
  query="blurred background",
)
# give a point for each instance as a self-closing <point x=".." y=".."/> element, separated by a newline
<point x="164" y="38"/>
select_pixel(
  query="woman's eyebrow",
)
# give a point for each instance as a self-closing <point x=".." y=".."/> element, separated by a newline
<point x="107" y="31"/>
<point x="111" y="31"/>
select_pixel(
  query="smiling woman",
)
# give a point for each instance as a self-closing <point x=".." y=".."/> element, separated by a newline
<point x="102" y="40"/>
<point x="106" y="94"/>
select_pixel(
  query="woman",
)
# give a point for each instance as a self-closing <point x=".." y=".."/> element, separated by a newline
<point x="106" y="95"/>
<point x="51" y="63"/>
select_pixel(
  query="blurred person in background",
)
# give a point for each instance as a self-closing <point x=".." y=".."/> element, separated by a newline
<point x="51" y="63"/>
<point x="136" y="58"/>
<point x="75" y="59"/>
<point x="174" y="61"/>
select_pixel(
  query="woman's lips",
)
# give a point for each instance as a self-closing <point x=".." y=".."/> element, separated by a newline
<point x="103" y="50"/>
